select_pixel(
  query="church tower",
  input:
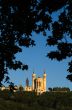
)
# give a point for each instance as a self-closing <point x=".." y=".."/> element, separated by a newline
<point x="33" y="81"/>
<point x="44" y="81"/>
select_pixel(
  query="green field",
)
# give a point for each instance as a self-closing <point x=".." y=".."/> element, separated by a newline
<point x="30" y="101"/>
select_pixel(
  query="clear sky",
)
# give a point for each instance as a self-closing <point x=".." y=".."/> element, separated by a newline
<point x="35" y="58"/>
<point x="37" y="61"/>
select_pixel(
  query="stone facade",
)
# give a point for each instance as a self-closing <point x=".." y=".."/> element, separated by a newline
<point x="38" y="84"/>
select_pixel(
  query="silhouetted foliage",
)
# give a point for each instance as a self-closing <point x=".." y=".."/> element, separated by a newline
<point x="50" y="89"/>
<point x="19" y="18"/>
<point x="30" y="101"/>
<point x="20" y="88"/>
<point x="61" y="37"/>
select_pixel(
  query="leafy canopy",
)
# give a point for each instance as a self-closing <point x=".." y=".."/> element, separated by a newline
<point x="62" y="36"/>
<point x="19" y="18"/>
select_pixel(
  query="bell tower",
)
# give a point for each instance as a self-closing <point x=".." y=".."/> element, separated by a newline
<point x="33" y="80"/>
<point x="44" y="81"/>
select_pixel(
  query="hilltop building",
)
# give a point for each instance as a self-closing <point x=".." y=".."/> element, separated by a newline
<point x="38" y="84"/>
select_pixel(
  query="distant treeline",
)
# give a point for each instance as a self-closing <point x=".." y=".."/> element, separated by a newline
<point x="59" y="89"/>
<point x="30" y="101"/>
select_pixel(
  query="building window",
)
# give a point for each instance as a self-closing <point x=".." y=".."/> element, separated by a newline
<point x="39" y="84"/>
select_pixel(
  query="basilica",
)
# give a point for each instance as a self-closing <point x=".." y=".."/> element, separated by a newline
<point x="38" y="84"/>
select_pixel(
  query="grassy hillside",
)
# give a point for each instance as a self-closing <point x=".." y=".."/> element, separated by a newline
<point x="29" y="101"/>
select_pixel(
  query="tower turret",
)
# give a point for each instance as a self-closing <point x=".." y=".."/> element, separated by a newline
<point x="27" y="82"/>
<point x="44" y="81"/>
<point x="33" y="80"/>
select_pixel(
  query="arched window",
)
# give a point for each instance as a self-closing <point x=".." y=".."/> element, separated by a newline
<point x="39" y="84"/>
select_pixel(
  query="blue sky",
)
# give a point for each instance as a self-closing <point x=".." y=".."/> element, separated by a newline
<point x="35" y="58"/>
<point x="37" y="61"/>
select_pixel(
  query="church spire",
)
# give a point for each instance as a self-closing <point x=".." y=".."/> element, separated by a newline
<point x="44" y="71"/>
<point x="27" y="82"/>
